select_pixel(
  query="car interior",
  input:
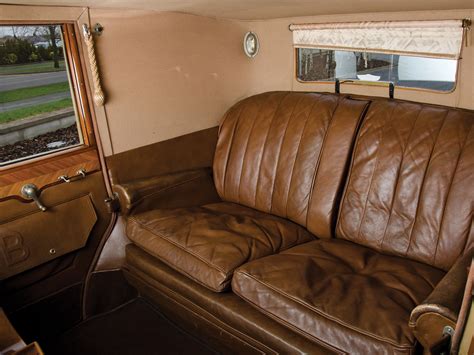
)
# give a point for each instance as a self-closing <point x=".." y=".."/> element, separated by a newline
<point x="236" y="177"/>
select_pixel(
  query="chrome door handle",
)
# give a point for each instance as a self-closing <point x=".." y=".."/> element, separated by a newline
<point x="31" y="192"/>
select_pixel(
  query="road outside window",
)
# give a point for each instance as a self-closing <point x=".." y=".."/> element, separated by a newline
<point x="37" y="115"/>
<point x="406" y="71"/>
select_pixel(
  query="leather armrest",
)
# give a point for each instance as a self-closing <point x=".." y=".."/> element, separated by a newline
<point x="441" y="307"/>
<point x="181" y="189"/>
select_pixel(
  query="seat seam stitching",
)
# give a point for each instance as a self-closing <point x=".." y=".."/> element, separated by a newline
<point x="158" y="234"/>
<point x="264" y="147"/>
<point x="316" y="170"/>
<point x="376" y="164"/>
<point x="248" y="141"/>
<point x="423" y="182"/>
<point x="338" y="321"/>
<point x="281" y="148"/>
<point x="397" y="184"/>
<point x="234" y="129"/>
<point x="227" y="155"/>
<point x="449" y="191"/>
<point x="286" y="323"/>
<point x="175" y="268"/>
<point x="349" y="178"/>
<point x="316" y="103"/>
<point x="336" y="204"/>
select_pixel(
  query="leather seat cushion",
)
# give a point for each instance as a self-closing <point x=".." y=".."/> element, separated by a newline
<point x="208" y="243"/>
<point x="345" y="295"/>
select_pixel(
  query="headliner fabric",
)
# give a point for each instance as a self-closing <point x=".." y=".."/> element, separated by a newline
<point x="435" y="39"/>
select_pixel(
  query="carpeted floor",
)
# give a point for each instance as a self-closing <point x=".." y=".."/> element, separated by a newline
<point x="134" y="328"/>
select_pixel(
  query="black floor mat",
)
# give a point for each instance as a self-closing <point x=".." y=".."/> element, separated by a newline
<point x="135" y="328"/>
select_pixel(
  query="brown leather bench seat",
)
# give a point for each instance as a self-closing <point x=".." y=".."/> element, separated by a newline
<point x="353" y="238"/>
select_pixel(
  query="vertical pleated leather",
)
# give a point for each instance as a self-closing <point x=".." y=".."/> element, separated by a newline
<point x="286" y="153"/>
<point x="411" y="185"/>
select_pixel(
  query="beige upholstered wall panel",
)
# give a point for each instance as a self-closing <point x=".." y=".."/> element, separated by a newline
<point x="168" y="74"/>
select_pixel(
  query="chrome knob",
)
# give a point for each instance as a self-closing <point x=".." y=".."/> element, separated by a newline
<point x="31" y="192"/>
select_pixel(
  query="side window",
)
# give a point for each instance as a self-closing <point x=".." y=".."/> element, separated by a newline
<point x="40" y="112"/>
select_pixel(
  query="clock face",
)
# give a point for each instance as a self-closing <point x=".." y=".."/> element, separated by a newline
<point x="251" y="44"/>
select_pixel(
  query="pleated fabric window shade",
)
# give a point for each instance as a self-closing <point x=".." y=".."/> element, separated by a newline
<point x="435" y="39"/>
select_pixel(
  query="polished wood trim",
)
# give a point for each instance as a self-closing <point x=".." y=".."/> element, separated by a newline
<point x="47" y="172"/>
<point x="77" y="80"/>
<point x="46" y="167"/>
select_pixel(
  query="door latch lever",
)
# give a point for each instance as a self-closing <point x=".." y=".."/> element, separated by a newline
<point x="31" y="192"/>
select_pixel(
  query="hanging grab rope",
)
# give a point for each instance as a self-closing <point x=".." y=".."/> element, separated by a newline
<point x="99" y="97"/>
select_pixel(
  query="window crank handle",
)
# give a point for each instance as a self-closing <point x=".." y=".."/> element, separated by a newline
<point x="30" y="192"/>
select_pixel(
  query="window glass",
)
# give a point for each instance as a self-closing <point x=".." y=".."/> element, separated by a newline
<point x="37" y="115"/>
<point x="407" y="71"/>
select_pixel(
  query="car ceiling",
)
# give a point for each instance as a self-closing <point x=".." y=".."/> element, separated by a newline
<point x="262" y="9"/>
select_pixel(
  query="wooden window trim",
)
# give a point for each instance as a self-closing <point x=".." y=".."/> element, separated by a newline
<point x="76" y="74"/>
<point x="77" y="81"/>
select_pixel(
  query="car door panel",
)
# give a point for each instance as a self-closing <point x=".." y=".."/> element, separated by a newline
<point x="64" y="275"/>
<point x="35" y="237"/>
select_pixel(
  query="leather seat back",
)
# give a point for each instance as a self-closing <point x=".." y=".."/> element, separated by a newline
<point x="411" y="185"/>
<point x="286" y="153"/>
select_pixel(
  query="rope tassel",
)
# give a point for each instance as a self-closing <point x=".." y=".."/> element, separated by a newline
<point x="99" y="97"/>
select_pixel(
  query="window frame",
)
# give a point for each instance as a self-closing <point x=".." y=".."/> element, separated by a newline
<point x="384" y="84"/>
<point x="79" y="95"/>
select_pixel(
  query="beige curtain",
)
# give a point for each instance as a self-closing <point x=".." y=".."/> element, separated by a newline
<point x="435" y="39"/>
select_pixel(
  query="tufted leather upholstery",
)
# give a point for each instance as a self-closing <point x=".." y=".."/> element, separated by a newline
<point x="410" y="190"/>
<point x="286" y="154"/>
<point x="337" y="240"/>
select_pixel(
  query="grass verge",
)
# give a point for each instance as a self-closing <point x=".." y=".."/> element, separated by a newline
<point x="27" y="93"/>
<point x="20" y="113"/>
<point x="43" y="67"/>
